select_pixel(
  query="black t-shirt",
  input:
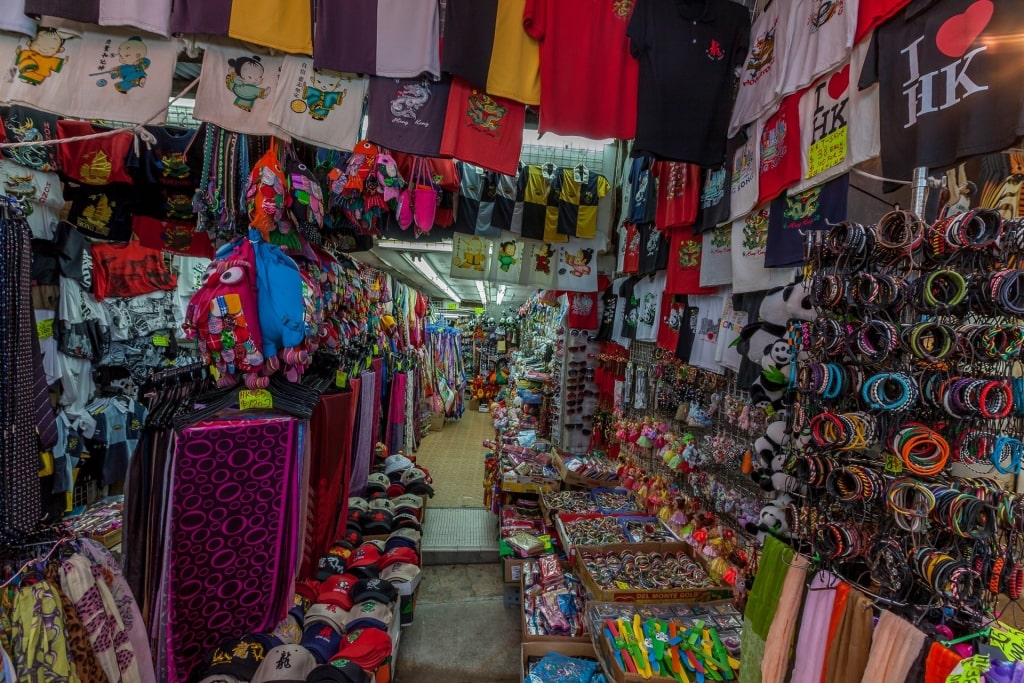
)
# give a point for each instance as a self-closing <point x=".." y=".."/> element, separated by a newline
<point x="654" y="248"/>
<point x="609" y="300"/>
<point x="101" y="211"/>
<point x="714" y="206"/>
<point x="949" y="73"/>
<point x="688" y="52"/>
<point x="687" y="333"/>
<point x="23" y="124"/>
<point x="630" y="308"/>
<point x="166" y="174"/>
<point x="794" y="213"/>
<point x="469" y="39"/>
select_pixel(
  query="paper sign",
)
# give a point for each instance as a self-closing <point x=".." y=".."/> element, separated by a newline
<point x="1009" y="641"/>
<point x="478" y="310"/>
<point x="827" y="152"/>
<point x="161" y="340"/>
<point x="893" y="463"/>
<point x="970" y="670"/>
<point x="341" y="380"/>
<point x="452" y="306"/>
<point x="255" y="399"/>
<point x="44" y="329"/>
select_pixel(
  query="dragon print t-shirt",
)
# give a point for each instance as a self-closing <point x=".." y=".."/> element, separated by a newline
<point x="483" y="130"/>
<point x="408" y="115"/>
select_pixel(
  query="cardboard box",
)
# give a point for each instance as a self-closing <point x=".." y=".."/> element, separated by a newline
<point x="513" y="569"/>
<point x="527" y="486"/>
<point x="536" y="651"/>
<point x="570" y="478"/>
<point x="527" y="638"/>
<point x="563" y="518"/>
<point x="473" y="404"/>
<point x="677" y="595"/>
<point x="436" y="422"/>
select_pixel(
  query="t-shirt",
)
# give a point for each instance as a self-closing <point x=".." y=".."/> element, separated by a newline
<point x="389" y="38"/>
<point x="127" y="270"/>
<point x="540" y="265"/>
<point x="14" y="19"/>
<point x="643" y="196"/>
<point x="540" y="204"/>
<point x="631" y="251"/>
<point x="779" y="159"/>
<point x="689" y="51"/>
<point x="609" y="300"/>
<point x="470" y="257"/>
<point x="149" y="15"/>
<point x="41" y="76"/>
<point x="319" y="106"/>
<point x="630" y="308"/>
<point x="508" y="203"/>
<point x="820" y="40"/>
<point x="713" y="203"/>
<point x="408" y="114"/>
<point x="85" y="11"/>
<point x="103" y="212"/>
<point x="743" y="181"/>
<point x="579" y="191"/>
<point x="873" y="13"/>
<point x="799" y="212"/>
<point x="673" y="313"/>
<point x="749" y="245"/>
<point x="485" y="43"/>
<point x="708" y="319"/>
<point x="44" y="199"/>
<point x="687" y="332"/>
<point x="237" y="89"/>
<point x="678" y="194"/>
<point x="653" y="248"/>
<point x="648" y="291"/>
<point x="949" y="81"/>
<point x="764" y="69"/>
<point x="173" y="237"/>
<point x="283" y="25"/>
<point x="683" y="272"/>
<point x="483" y="130"/>
<point x="22" y="124"/>
<point x="577" y="266"/>
<point x="507" y="265"/>
<point x="588" y="78"/>
<point x="201" y="16"/>
<point x="98" y="161"/>
<point x="166" y="174"/>
<point x="716" y="256"/>
<point x="582" y="310"/>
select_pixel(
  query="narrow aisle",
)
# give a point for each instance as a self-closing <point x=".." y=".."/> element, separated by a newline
<point x="455" y="459"/>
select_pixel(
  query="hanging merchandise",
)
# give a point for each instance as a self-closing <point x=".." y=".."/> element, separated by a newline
<point x="200" y="17"/>
<point x="716" y="257"/>
<point x="125" y="270"/>
<point x="749" y="245"/>
<point x="22" y="124"/>
<point x="642" y="191"/>
<point x="482" y="129"/>
<point x="820" y="41"/>
<point x="367" y="189"/>
<point x="508" y="203"/>
<point x="763" y="72"/>
<point x="417" y="203"/>
<point x="540" y="262"/>
<point x="387" y="38"/>
<point x="795" y="214"/>
<point x="779" y="152"/>
<point x="154" y="17"/>
<point x="678" y="194"/>
<point x="688" y="56"/>
<point x="631" y="239"/>
<point x="654" y="249"/>
<point x="540" y="203"/>
<point x="99" y="161"/>
<point x="86" y="12"/>
<point x="713" y="208"/>
<point x="41" y="67"/>
<point x="973" y="105"/>
<point x="408" y="114"/>
<point x="579" y="190"/>
<point x="683" y="276"/>
<point x="276" y="24"/>
<point x="102" y="212"/>
<point x="237" y="89"/>
<point x="476" y="201"/>
<point x="42" y="193"/>
<point x="319" y="106"/>
<point x="873" y="13"/>
<point x="442" y="176"/>
<point x="582" y="310"/>
<point x="577" y="266"/>
<point x="507" y="263"/>
<point x="14" y="19"/>
<point x="470" y="257"/>
<point x="648" y="291"/>
<point x="743" y="185"/>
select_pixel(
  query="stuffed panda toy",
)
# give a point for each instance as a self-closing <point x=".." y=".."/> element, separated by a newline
<point x="771" y="448"/>
<point x="772" y="520"/>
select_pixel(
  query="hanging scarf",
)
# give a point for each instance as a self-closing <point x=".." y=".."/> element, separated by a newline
<point x="848" y="652"/>
<point x="894" y="647"/>
<point x="84" y="657"/>
<point x="363" y="452"/>
<point x="813" y="638"/>
<point x="38" y="642"/>
<point x="778" y="644"/>
<point x="776" y="558"/>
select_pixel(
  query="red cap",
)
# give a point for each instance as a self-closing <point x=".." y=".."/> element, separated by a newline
<point x="400" y="554"/>
<point x="367" y="647"/>
<point x="366" y="555"/>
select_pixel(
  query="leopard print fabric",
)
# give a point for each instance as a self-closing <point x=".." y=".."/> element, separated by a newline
<point x="82" y="654"/>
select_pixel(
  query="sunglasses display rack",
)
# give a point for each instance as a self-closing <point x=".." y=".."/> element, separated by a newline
<point x="576" y="398"/>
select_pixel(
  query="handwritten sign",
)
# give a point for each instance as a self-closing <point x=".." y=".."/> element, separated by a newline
<point x="161" y="340"/>
<point x="341" y="380"/>
<point x="255" y="399"/>
<point x="44" y="329"/>
<point x="893" y="463"/>
<point x="970" y="670"/>
<point x="1009" y="641"/>
<point x="452" y="306"/>
<point x="827" y="152"/>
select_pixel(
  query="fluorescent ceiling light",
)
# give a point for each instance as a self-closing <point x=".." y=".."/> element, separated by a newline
<point x="428" y="272"/>
<point x="483" y="292"/>
<point x="501" y="294"/>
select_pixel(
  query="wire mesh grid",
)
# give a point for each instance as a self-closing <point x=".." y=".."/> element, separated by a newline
<point x="565" y="155"/>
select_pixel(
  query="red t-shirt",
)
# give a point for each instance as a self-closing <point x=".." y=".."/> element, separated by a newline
<point x="780" y="157"/>
<point x="678" y="194"/>
<point x="173" y="237"/>
<point x="873" y="13"/>
<point x="588" y="78"/>
<point x="126" y="270"/>
<point x="672" y="309"/>
<point x="99" y="161"/>
<point x="683" y="275"/>
<point x="631" y="259"/>
<point x="483" y="130"/>
<point x="582" y="310"/>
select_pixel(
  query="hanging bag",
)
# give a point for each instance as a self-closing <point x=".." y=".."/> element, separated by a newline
<point x="407" y="198"/>
<point x="425" y="199"/>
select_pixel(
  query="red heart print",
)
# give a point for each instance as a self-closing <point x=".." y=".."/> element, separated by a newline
<point x="839" y="82"/>
<point x="957" y="33"/>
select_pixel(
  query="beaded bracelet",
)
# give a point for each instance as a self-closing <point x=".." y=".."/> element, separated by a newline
<point x="890" y="391"/>
<point x="911" y="503"/>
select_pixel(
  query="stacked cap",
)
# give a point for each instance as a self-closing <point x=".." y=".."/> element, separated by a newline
<point x="377" y="482"/>
<point x="322" y="640"/>
<point x="378" y="522"/>
<point x="367" y="647"/>
<point x="329" y="615"/>
<point x="370" y="614"/>
<point x="398" y="554"/>
<point x="400" y="572"/>
<point x="339" y="671"/>
<point x="237" y="659"/>
<point x="366" y="555"/>
<point x="328" y="566"/>
<point x="374" y="589"/>
<point x="396" y="463"/>
<point x="285" y="664"/>
<point x="337" y="591"/>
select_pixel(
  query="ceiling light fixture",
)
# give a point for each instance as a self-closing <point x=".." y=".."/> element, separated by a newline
<point x="483" y="292"/>
<point x="501" y="294"/>
<point x="428" y="272"/>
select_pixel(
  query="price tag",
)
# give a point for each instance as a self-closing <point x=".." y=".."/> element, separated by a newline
<point x="827" y="152"/>
<point x="376" y="350"/>
<point x="214" y="373"/>
<point x="341" y="380"/>
<point x="161" y="340"/>
<point x="970" y="670"/>
<point x="893" y="463"/>
<point x="1009" y="641"/>
<point x="622" y="585"/>
<point x="255" y="399"/>
<point x="44" y="329"/>
<point x="452" y="306"/>
<point x="369" y="362"/>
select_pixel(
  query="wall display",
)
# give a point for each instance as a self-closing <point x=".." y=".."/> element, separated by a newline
<point x="540" y="264"/>
<point x="579" y="190"/>
<point x="237" y="89"/>
<point x="483" y="130"/>
<point x="41" y="191"/>
<point x="778" y="155"/>
<point x="319" y="106"/>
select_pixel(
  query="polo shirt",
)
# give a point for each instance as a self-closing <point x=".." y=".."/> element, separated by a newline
<point x="579" y="191"/>
<point x="283" y="25"/>
<point x="540" y="203"/>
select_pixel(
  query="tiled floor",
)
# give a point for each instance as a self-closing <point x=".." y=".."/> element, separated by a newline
<point x="455" y="458"/>
<point x="459" y="535"/>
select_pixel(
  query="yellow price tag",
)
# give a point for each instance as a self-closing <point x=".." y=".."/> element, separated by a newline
<point x="376" y="350"/>
<point x="893" y="463"/>
<point x="827" y="152"/>
<point x="161" y="340"/>
<point x="44" y="329"/>
<point x="1009" y="640"/>
<point x="341" y="380"/>
<point x="622" y="585"/>
<point x="369" y="362"/>
<point x="255" y="399"/>
<point x="215" y="373"/>
<point x="970" y="670"/>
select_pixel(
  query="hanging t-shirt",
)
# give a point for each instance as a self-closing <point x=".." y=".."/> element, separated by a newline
<point x="673" y="313"/>
<point x="44" y="199"/>
<point x="485" y="43"/>
<point x="14" y="19"/>
<point x="743" y="181"/>
<point x="582" y="313"/>
<point x="408" y="114"/>
<point x="683" y="272"/>
<point x="630" y="308"/>
<point x="749" y="245"/>
<point x="84" y="11"/>
<point x="678" y="194"/>
<point x="708" y="319"/>
<point x="283" y="25"/>
<point x="642" y="191"/>
<point x="470" y="256"/>
<point x="800" y="212"/>
<point x="713" y="203"/>
<point x="687" y="332"/>
<point x="579" y="191"/>
<point x="764" y="69"/>
<point x="648" y="292"/>
<point x="540" y="203"/>
<point x="716" y="256"/>
<point x="98" y="161"/>
<point x="389" y="38"/>
<point x="779" y="160"/>
<point x="508" y="203"/>
<point x="173" y="237"/>
<point x="103" y="212"/>
<point x="149" y="15"/>
<point x="689" y="51"/>
<point x="577" y="266"/>
<point x="237" y="90"/>
<point x="609" y="301"/>
<point x="319" y="106"/>
<point x="507" y="264"/>
<point x="41" y="76"/>
<point x="166" y="174"/>
<point x="483" y="130"/>
<point x="126" y="270"/>
<point x="631" y="253"/>
<point x="947" y="82"/>
<point x="540" y="265"/>
<point x="201" y="16"/>
<point x="580" y="38"/>
<point x="476" y="202"/>
<point x="653" y="248"/>
<point x="873" y="13"/>
<point x="22" y="124"/>
<point x="819" y="40"/>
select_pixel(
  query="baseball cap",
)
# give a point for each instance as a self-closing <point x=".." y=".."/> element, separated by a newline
<point x="358" y="503"/>
<point x="396" y="463"/>
<point x="381" y="504"/>
<point x="322" y="640"/>
<point x="332" y="615"/>
<point x="402" y="541"/>
<point x="366" y="555"/>
<point x="342" y="551"/>
<point x="351" y="539"/>
<point x="377" y="481"/>
<point x="285" y="664"/>
<point x="405" y="521"/>
<point x="407" y="555"/>
<point x="288" y="630"/>
<point x="355" y="516"/>
<point x="370" y="614"/>
<point x="237" y="658"/>
<point x="378" y="521"/>
<point x="400" y="572"/>
<point x="306" y="589"/>
<point x="374" y="589"/>
<point x="367" y="647"/>
<point x="352" y="671"/>
<point x="378" y="544"/>
<point x="344" y="671"/>
<point x="328" y="566"/>
<point x="337" y="590"/>
<point x="396" y="490"/>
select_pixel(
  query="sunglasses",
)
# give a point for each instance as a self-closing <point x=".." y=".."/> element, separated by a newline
<point x="577" y="348"/>
<point x="588" y="393"/>
<point x="577" y="371"/>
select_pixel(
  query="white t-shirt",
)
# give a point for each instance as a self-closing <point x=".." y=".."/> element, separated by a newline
<point x="620" y="309"/>
<point x="744" y="186"/>
<point x="764" y="70"/>
<point x="319" y="106"/>
<point x="149" y="15"/>
<point x="577" y="265"/>
<point x="408" y="38"/>
<point x="716" y="257"/>
<point x="14" y="19"/>
<point x="649" y="291"/>
<point x="40" y="74"/>
<point x="749" y="244"/>
<point x="705" y="341"/>
<point x="41" y="190"/>
<point x="820" y="39"/>
<point x="237" y="90"/>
